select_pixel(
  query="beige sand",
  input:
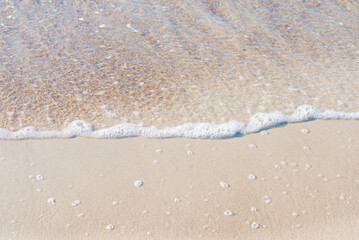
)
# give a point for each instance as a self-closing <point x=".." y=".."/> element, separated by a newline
<point x="181" y="197"/>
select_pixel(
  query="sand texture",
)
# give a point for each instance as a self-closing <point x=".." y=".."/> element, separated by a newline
<point x="294" y="182"/>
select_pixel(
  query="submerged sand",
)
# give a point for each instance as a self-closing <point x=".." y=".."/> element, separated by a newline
<point x="166" y="62"/>
<point x="294" y="182"/>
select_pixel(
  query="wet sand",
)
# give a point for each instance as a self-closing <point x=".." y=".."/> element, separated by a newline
<point x="299" y="181"/>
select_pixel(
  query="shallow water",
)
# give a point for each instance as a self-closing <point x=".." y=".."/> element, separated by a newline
<point x="166" y="63"/>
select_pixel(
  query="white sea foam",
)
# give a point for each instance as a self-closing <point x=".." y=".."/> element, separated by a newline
<point x="259" y="121"/>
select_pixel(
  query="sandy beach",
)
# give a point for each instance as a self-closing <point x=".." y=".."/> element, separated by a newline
<point x="167" y="119"/>
<point x="298" y="181"/>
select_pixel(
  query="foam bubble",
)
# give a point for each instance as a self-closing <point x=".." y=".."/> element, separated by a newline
<point x="110" y="227"/>
<point x="76" y="203"/>
<point x="224" y="184"/>
<point x="228" y="213"/>
<point x="259" y="121"/>
<point x="254" y="225"/>
<point x="39" y="177"/>
<point x="252" y="177"/>
<point x="138" y="183"/>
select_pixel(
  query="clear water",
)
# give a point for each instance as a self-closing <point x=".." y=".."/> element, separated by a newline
<point x="167" y="63"/>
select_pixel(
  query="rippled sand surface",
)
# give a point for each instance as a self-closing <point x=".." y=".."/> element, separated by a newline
<point x="165" y="63"/>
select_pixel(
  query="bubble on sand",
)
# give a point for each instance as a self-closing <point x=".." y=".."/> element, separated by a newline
<point x="39" y="177"/>
<point x="228" y="213"/>
<point x="305" y="130"/>
<point x="138" y="183"/>
<point x="190" y="153"/>
<point x="253" y="209"/>
<point x="144" y="211"/>
<point x="159" y="150"/>
<point x="276" y="178"/>
<point x="102" y="26"/>
<point x="224" y="184"/>
<point x="284" y="163"/>
<point x="51" y="200"/>
<point x="307" y="166"/>
<point x="320" y="175"/>
<point x="267" y="199"/>
<point x="114" y="203"/>
<point x="252" y="146"/>
<point x="339" y="175"/>
<point x="188" y="145"/>
<point x="294" y="214"/>
<point x="277" y="166"/>
<point x="294" y="164"/>
<point x="255" y="225"/>
<point x="110" y="227"/>
<point x="177" y="200"/>
<point x="148" y="233"/>
<point x="155" y="162"/>
<point x="81" y="19"/>
<point x="80" y="215"/>
<point x="306" y="148"/>
<point x="341" y="196"/>
<point x="252" y="177"/>
<point x="264" y="133"/>
<point x="76" y="203"/>
<point x="31" y="176"/>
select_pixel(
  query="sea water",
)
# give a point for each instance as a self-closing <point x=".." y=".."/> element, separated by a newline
<point x="174" y="68"/>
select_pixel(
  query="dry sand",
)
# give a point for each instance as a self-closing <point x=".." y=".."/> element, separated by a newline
<point x="181" y="196"/>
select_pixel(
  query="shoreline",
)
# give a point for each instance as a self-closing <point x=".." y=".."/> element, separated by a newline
<point x="296" y="181"/>
<point x="258" y="122"/>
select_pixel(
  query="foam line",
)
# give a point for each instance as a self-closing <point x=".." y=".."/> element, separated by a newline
<point x="259" y="121"/>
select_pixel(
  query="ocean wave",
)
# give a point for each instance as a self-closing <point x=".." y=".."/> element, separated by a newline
<point x="258" y="122"/>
